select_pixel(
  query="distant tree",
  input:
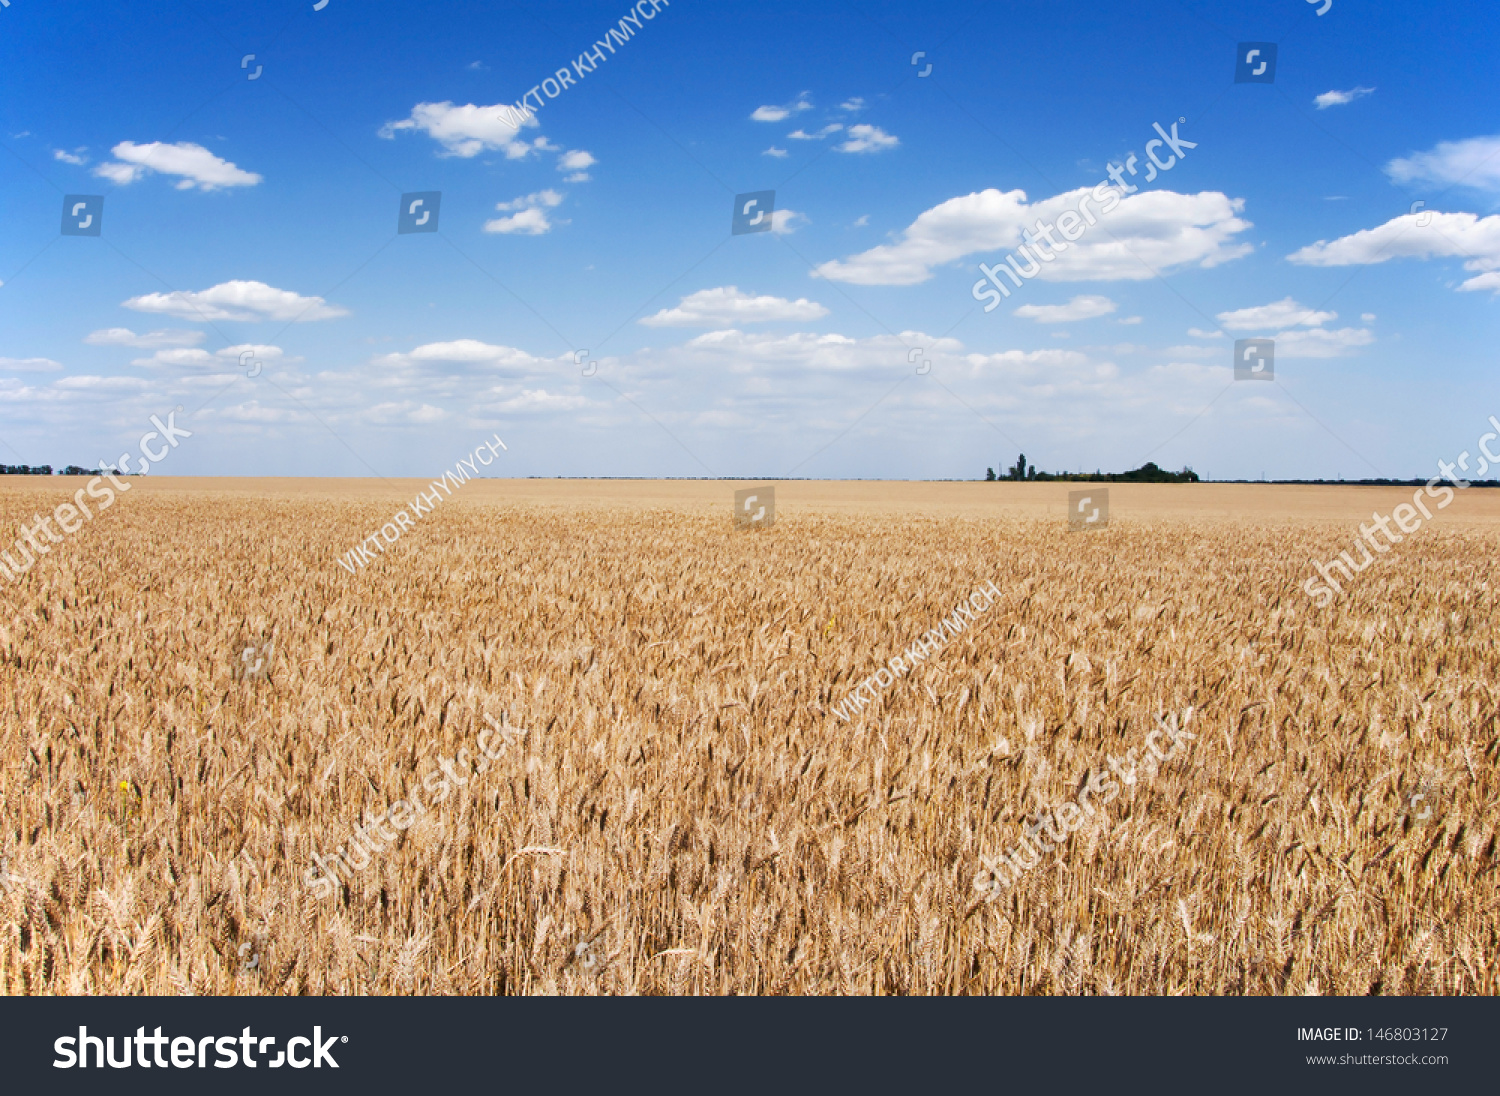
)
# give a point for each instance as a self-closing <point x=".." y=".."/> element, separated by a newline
<point x="989" y="474"/>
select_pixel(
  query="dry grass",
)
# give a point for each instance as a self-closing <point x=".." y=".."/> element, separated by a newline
<point x="720" y="832"/>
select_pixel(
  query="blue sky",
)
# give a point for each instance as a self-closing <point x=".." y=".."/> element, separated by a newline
<point x="256" y="219"/>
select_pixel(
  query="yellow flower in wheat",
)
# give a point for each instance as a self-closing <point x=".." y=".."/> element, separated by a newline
<point x="130" y="799"/>
<point x="830" y="628"/>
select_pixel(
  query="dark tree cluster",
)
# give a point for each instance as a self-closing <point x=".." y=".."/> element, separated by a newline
<point x="1146" y="473"/>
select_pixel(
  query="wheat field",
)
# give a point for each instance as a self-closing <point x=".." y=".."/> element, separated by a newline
<point x="684" y="814"/>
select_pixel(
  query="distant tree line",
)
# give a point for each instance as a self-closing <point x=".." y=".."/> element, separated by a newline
<point x="1146" y="473"/>
<point x="45" y="470"/>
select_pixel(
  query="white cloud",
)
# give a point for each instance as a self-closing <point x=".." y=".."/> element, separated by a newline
<point x="1367" y="317"/>
<point x="1320" y="342"/>
<point x="123" y="336"/>
<point x="786" y="221"/>
<point x="197" y="166"/>
<point x="528" y="222"/>
<point x="471" y="350"/>
<point x="238" y="300"/>
<point x="577" y="160"/>
<point x="867" y="138"/>
<point x="779" y="153"/>
<point x="727" y="306"/>
<point x="548" y="198"/>
<point x="539" y="400"/>
<point x="1148" y="233"/>
<point x="1084" y="307"/>
<point x="780" y="114"/>
<point x="804" y="351"/>
<point x="1133" y="319"/>
<point x="180" y="356"/>
<point x="1197" y="334"/>
<point x="467" y="130"/>
<point x="853" y="106"/>
<point x="1446" y="235"/>
<point x="1483" y="281"/>
<point x="863" y="221"/>
<point x="1274" y="316"/>
<point x="799" y="135"/>
<point x="1339" y="98"/>
<point x="405" y="411"/>
<point x="1474" y="162"/>
<point x="29" y="365"/>
<point x="76" y="157"/>
<point x="229" y="357"/>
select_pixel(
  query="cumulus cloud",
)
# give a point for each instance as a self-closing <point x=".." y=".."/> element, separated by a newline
<point x="528" y="222"/>
<point x="576" y="160"/>
<point x="531" y="218"/>
<point x="1084" y="307"/>
<point x="1474" y="163"/>
<point x="29" y="365"/>
<point x="1445" y="235"/>
<point x="76" y="157"/>
<point x="471" y="350"/>
<point x="1298" y="330"/>
<point x="548" y="198"/>
<point x="1273" y="317"/>
<point x="408" y="411"/>
<point x="244" y="301"/>
<point x="1339" y="98"/>
<point x="786" y="221"/>
<point x="229" y="357"/>
<point x="867" y="138"/>
<point x="1147" y="233"/>
<point x="196" y="166"/>
<point x="151" y="340"/>
<point x="780" y="114"/>
<point x="1198" y="334"/>
<point x="1483" y="281"/>
<point x="727" y="306"/>
<point x="468" y="130"/>
<point x="742" y="352"/>
<point x="1320" y="342"/>
<point x="179" y="356"/>
<point x="799" y="135"/>
<point x="853" y="106"/>
<point x="779" y="153"/>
